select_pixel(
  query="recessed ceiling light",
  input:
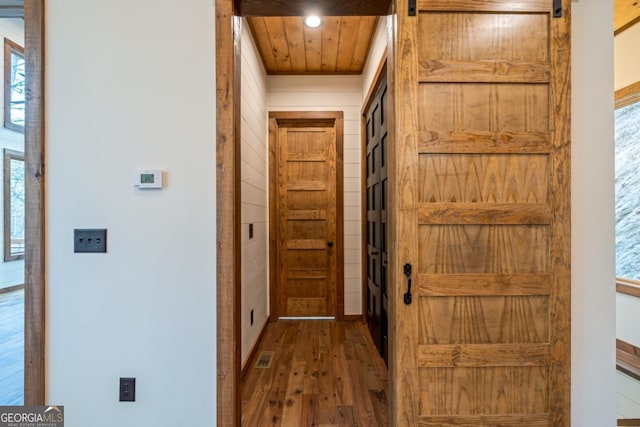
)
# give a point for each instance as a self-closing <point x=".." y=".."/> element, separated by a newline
<point x="312" y="21"/>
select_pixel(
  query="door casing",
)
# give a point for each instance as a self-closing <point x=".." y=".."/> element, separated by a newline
<point x="34" y="278"/>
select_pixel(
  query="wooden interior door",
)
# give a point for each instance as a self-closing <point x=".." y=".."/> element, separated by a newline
<point x="307" y="151"/>
<point x="481" y="213"/>
<point x="376" y="138"/>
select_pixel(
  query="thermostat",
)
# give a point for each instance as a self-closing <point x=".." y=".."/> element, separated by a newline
<point x="144" y="179"/>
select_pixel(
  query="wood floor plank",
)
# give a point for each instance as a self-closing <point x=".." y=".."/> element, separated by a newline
<point x="363" y="407"/>
<point x="326" y="390"/>
<point x="292" y="412"/>
<point x="323" y="373"/>
<point x="342" y="379"/>
<point x="272" y="416"/>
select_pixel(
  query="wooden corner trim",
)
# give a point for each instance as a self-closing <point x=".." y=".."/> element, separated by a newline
<point x="34" y="299"/>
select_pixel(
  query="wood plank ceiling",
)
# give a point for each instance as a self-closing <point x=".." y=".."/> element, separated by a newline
<point x="339" y="46"/>
<point x="625" y="14"/>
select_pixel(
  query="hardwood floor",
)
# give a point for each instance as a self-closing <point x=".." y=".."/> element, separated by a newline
<point x="323" y="373"/>
<point x="12" y="348"/>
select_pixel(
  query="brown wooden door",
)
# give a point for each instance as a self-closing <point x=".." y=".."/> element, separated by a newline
<point x="308" y="207"/>
<point x="481" y="212"/>
<point x="376" y="137"/>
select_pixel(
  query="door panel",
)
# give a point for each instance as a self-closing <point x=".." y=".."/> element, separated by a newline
<point x="481" y="207"/>
<point x="376" y="193"/>
<point x="306" y="237"/>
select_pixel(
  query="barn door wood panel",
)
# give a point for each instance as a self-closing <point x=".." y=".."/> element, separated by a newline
<point x="308" y="213"/>
<point x="481" y="205"/>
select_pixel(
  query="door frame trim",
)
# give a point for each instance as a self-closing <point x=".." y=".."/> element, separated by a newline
<point x="34" y="280"/>
<point x="337" y="117"/>
<point x="228" y="27"/>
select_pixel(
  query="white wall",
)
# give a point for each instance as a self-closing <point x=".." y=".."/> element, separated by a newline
<point x="11" y="272"/>
<point x="254" y="153"/>
<point x="131" y="84"/>
<point x="628" y="319"/>
<point x="628" y="397"/>
<point x="627" y="60"/>
<point x="333" y="93"/>
<point x="378" y="48"/>
<point x="592" y="205"/>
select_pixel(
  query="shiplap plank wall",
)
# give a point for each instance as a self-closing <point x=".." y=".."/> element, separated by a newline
<point x="12" y="272"/>
<point x="254" y="173"/>
<point x="333" y="93"/>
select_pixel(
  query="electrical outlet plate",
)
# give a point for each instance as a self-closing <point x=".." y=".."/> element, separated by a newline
<point x="127" y="389"/>
<point x="90" y="240"/>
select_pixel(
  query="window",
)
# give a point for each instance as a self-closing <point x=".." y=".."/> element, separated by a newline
<point x="14" y="86"/>
<point x="627" y="170"/>
<point x="13" y="205"/>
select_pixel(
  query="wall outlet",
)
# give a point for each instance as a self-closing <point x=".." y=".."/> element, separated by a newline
<point x="127" y="389"/>
<point x="90" y="240"/>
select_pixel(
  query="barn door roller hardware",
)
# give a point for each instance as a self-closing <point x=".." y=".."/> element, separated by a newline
<point x="557" y="8"/>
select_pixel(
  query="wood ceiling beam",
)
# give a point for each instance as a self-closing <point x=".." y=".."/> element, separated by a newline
<point x="625" y="14"/>
<point x="320" y="7"/>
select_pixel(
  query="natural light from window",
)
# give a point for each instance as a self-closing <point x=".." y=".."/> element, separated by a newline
<point x="627" y="125"/>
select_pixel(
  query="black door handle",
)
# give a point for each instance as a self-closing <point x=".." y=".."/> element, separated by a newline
<point x="330" y="243"/>
<point x="407" y="272"/>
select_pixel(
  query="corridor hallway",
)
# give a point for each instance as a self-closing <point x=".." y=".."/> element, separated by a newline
<point x="322" y="373"/>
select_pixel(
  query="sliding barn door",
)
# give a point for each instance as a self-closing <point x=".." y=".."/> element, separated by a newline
<point x="481" y="214"/>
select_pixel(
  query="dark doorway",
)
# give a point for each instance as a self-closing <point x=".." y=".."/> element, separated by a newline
<point x="376" y="196"/>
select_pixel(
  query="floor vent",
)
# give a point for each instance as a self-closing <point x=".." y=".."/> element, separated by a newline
<point x="264" y="361"/>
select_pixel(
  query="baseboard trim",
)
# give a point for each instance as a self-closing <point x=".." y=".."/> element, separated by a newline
<point x="254" y="349"/>
<point x="353" y="318"/>
<point x="629" y="422"/>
